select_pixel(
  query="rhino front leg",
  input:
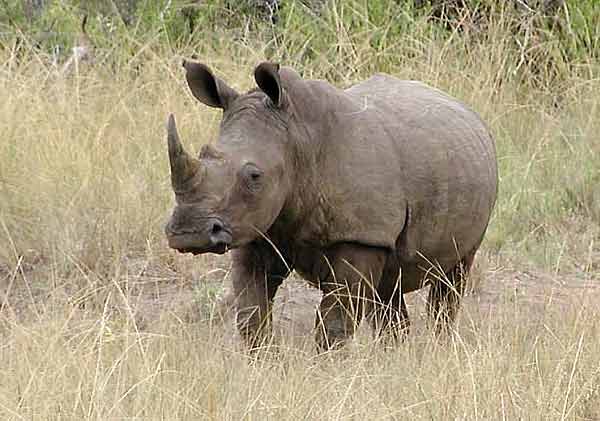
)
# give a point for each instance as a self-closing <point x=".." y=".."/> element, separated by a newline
<point x="444" y="295"/>
<point x="349" y="275"/>
<point x="256" y="274"/>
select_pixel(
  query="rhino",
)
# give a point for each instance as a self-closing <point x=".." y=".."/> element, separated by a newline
<point x="369" y="193"/>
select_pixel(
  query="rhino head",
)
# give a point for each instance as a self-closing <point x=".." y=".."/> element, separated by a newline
<point x="233" y="191"/>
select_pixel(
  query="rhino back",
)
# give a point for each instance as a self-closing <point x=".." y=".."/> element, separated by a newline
<point x="406" y="166"/>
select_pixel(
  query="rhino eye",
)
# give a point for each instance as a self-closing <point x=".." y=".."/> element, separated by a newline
<point x="252" y="176"/>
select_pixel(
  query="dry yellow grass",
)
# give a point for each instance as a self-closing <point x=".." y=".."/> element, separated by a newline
<point x="512" y="360"/>
<point x="90" y="323"/>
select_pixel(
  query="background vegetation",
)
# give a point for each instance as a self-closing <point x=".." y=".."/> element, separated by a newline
<point x="89" y="316"/>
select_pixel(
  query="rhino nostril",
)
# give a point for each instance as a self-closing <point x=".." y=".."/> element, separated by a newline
<point x="216" y="228"/>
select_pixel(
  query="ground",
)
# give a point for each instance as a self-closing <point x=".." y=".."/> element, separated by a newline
<point x="155" y="291"/>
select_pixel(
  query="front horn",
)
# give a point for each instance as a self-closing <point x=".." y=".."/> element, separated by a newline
<point x="183" y="166"/>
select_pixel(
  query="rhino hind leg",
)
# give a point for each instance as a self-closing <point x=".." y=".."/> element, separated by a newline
<point x="349" y="276"/>
<point x="389" y="319"/>
<point x="445" y="294"/>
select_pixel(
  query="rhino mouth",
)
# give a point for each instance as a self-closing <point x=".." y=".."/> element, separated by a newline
<point x="217" y="249"/>
<point x="216" y="240"/>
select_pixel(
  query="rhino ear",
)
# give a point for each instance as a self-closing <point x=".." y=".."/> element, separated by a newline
<point x="267" y="78"/>
<point x="207" y="88"/>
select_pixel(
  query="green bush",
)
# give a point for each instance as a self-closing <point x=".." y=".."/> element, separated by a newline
<point x="573" y="32"/>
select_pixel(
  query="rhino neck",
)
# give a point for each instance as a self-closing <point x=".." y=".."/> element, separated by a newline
<point x="303" y="216"/>
<point x="315" y="110"/>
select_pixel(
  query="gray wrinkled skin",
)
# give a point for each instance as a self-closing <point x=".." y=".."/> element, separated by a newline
<point x="368" y="193"/>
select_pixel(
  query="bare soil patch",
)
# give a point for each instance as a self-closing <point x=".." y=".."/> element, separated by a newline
<point x="495" y="289"/>
<point x="191" y="290"/>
